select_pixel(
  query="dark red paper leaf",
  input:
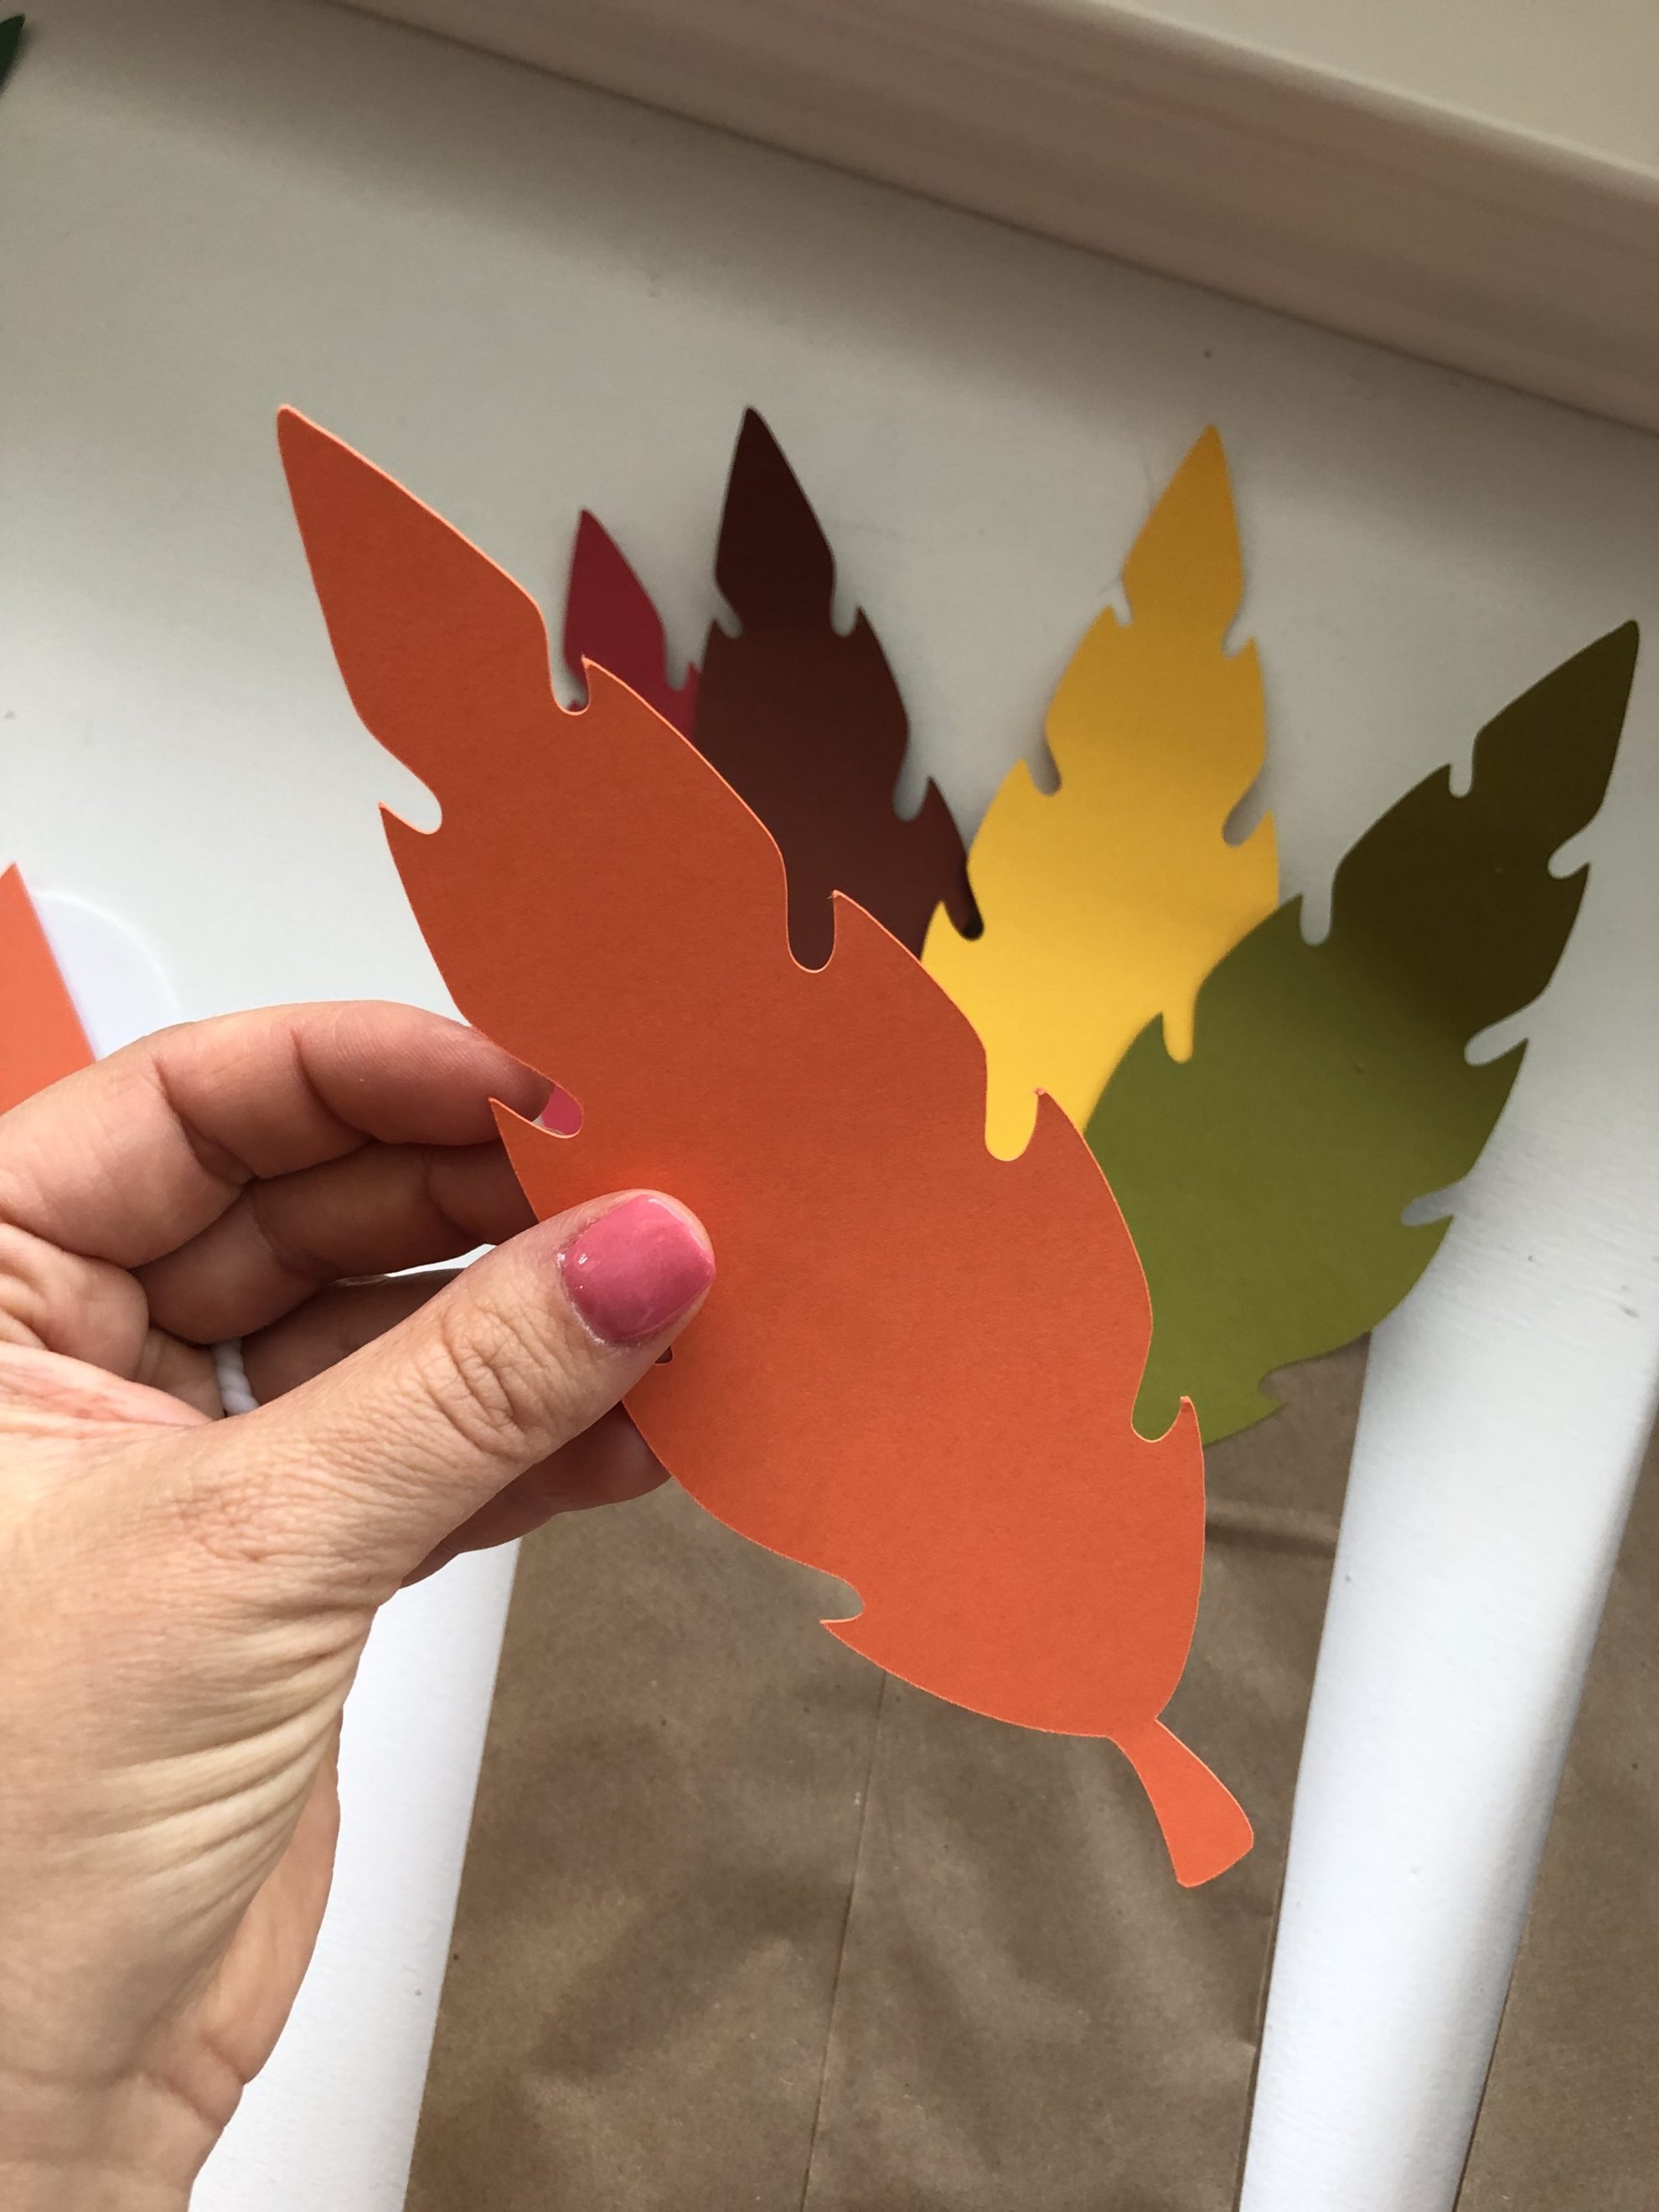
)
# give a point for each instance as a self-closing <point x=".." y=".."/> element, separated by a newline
<point x="807" y="726"/>
<point x="611" y="619"/>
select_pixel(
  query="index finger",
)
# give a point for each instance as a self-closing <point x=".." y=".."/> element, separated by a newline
<point x="129" y="1158"/>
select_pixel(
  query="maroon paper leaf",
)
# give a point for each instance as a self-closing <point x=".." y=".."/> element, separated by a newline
<point x="806" y="724"/>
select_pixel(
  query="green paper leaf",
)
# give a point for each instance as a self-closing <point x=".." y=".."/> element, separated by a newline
<point x="12" y="32"/>
<point x="1264" y="1179"/>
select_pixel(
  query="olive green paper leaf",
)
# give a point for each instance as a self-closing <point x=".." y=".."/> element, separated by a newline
<point x="12" y="32"/>
<point x="1264" y="1179"/>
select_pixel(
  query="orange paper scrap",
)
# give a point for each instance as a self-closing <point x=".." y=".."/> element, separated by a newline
<point x="41" y="1038"/>
<point x="917" y="1367"/>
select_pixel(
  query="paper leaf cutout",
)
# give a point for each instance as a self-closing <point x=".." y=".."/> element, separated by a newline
<point x="916" y="1367"/>
<point x="1107" y="901"/>
<point x="1264" y="1178"/>
<point x="41" y="1038"/>
<point x="11" y="33"/>
<point x="807" y="725"/>
<point x="609" y="619"/>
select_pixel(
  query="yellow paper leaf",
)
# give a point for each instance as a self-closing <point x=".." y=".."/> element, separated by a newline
<point x="1108" y="901"/>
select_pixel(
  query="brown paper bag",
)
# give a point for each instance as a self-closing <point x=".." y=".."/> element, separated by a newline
<point x="1030" y="2012"/>
<point x="657" y="1881"/>
<point x="1571" y="2118"/>
<point x="669" y="1989"/>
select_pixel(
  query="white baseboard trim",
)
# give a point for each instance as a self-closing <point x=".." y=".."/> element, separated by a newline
<point x="1448" y="237"/>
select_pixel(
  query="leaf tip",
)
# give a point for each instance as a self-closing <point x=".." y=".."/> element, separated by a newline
<point x="319" y="466"/>
<point x="594" y="544"/>
<point x="297" y="435"/>
<point x="1188" y="552"/>
<point x="772" y="557"/>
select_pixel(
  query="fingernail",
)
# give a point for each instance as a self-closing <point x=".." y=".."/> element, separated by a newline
<point x="633" y="1270"/>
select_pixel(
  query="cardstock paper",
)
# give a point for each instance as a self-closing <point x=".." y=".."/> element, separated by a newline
<point x="805" y="722"/>
<point x="1107" y="901"/>
<point x="1571" y="2119"/>
<point x="41" y="1037"/>
<point x="1265" y="1178"/>
<point x="916" y="1370"/>
<point x="609" y="619"/>
<point x="649" y="1945"/>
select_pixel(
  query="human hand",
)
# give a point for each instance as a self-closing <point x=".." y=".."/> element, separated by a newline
<point x="186" y="1597"/>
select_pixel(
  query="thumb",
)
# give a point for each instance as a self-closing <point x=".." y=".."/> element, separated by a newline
<point x="357" y="1474"/>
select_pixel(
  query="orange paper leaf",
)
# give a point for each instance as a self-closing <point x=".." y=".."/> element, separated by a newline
<point x="917" y="1367"/>
<point x="41" y="1039"/>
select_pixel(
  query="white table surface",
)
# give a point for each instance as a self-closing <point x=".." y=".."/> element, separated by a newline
<point x="522" y="298"/>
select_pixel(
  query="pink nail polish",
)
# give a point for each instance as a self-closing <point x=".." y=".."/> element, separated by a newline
<point x="633" y="1270"/>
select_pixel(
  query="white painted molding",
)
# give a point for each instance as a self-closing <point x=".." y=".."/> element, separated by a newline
<point x="1448" y="238"/>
